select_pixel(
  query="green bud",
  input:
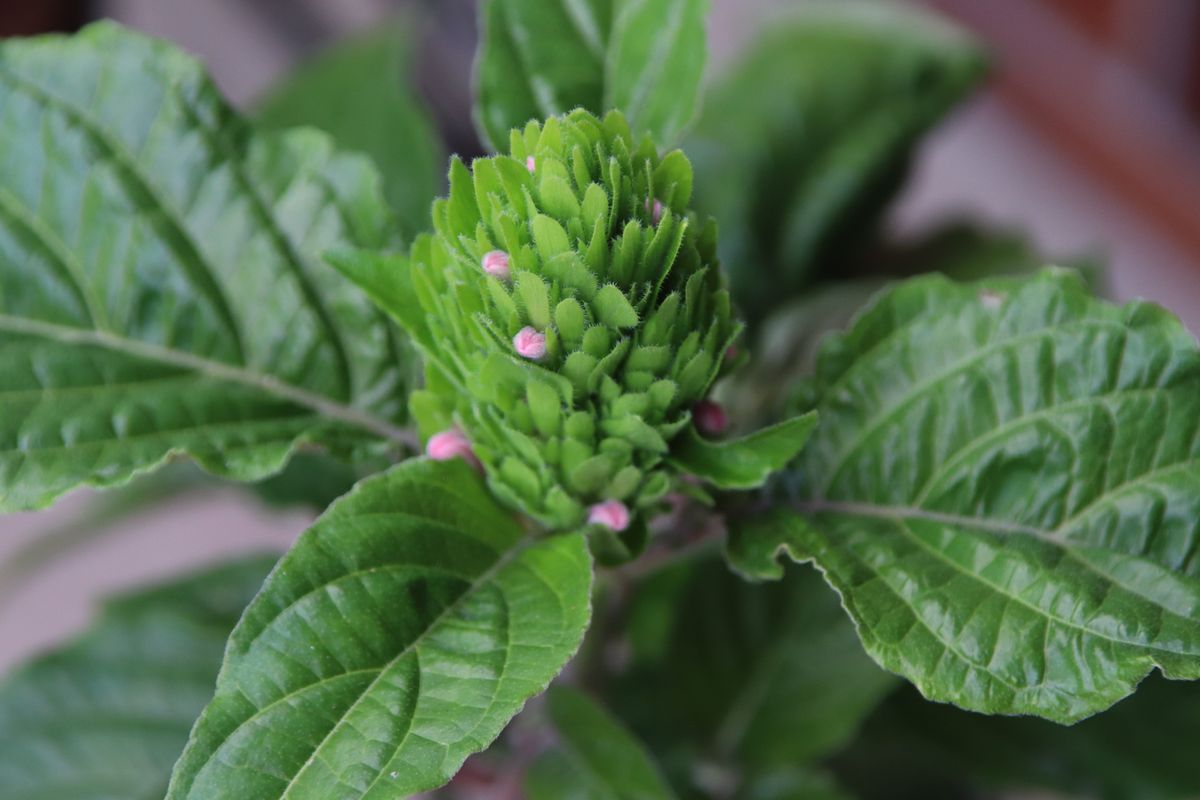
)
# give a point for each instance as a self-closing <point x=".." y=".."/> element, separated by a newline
<point x="573" y="312"/>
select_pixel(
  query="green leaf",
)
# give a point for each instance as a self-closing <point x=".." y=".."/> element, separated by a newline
<point x="760" y="677"/>
<point x="542" y="58"/>
<point x="1141" y="749"/>
<point x="793" y="784"/>
<point x="359" y="91"/>
<point x="1004" y="488"/>
<point x="744" y="463"/>
<point x="594" y="757"/>
<point x="399" y="635"/>
<point x="801" y="147"/>
<point x="655" y="65"/>
<point x="105" y="717"/>
<point x="159" y="287"/>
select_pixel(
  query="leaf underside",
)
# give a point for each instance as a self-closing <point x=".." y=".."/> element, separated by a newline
<point x="399" y="635"/>
<point x="160" y="286"/>
<point x="1005" y="490"/>
<point x="105" y="717"/>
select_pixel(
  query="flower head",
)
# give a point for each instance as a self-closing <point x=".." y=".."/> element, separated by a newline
<point x="575" y="373"/>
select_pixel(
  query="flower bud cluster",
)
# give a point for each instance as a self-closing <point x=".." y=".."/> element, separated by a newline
<point x="574" y="314"/>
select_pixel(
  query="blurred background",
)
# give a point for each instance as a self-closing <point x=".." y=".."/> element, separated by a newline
<point x="1086" y="138"/>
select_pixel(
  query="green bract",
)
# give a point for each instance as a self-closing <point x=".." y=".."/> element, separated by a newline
<point x="604" y="261"/>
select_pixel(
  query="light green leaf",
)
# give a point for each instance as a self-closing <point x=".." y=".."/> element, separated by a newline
<point x="105" y="717"/>
<point x="762" y="677"/>
<point x="1005" y="490"/>
<point x="744" y="463"/>
<point x="799" y="149"/>
<point x="655" y="64"/>
<point x="595" y="757"/>
<point x="360" y="92"/>
<point x="160" y="291"/>
<point x="1141" y="749"/>
<point x="399" y="635"/>
<point x="541" y="58"/>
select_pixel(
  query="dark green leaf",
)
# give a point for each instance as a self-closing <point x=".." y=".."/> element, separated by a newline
<point x="1141" y="749"/>
<point x="744" y="463"/>
<point x="399" y="635"/>
<point x="541" y="58"/>
<point x="595" y="757"/>
<point x="800" y="148"/>
<point x="793" y="784"/>
<point x="360" y="93"/>
<point x="753" y="678"/>
<point x="159" y="287"/>
<point x="105" y="717"/>
<point x="1005" y="490"/>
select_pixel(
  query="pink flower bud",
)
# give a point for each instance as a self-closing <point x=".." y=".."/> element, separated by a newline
<point x="495" y="263"/>
<point x="731" y="352"/>
<point x="530" y="344"/>
<point x="450" y="444"/>
<point x="612" y="514"/>
<point x="655" y="211"/>
<point x="530" y="163"/>
<point x="710" y="418"/>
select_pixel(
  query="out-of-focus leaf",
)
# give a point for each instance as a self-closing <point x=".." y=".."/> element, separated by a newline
<point x="965" y="251"/>
<point x="399" y="635"/>
<point x="1141" y="749"/>
<point x="105" y="717"/>
<point x="802" y="145"/>
<point x="541" y="58"/>
<point x="793" y="784"/>
<point x="359" y="92"/>
<point x="744" y="463"/>
<point x="160" y="286"/>
<point x="1004" y="488"/>
<point x="594" y="758"/>
<point x="313" y="480"/>
<point x="748" y="678"/>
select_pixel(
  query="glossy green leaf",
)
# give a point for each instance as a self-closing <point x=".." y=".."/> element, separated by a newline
<point x="594" y="757"/>
<point x="160" y="291"/>
<point x="360" y="91"/>
<point x="744" y="463"/>
<point x="105" y="717"/>
<point x="1005" y="490"/>
<point x="399" y="635"/>
<point x="751" y="678"/>
<point x="1141" y="749"/>
<point x="542" y="58"/>
<point x="800" y="148"/>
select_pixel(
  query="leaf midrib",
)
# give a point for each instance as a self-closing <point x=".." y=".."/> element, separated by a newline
<point x="502" y="561"/>
<point x="839" y="462"/>
<point x="268" y="384"/>
<point x="900" y="514"/>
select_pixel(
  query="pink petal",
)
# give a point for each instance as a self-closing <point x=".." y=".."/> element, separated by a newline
<point x="451" y="444"/>
<point x="710" y="418"/>
<point x="612" y="514"/>
<point x="530" y="344"/>
<point x="495" y="263"/>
